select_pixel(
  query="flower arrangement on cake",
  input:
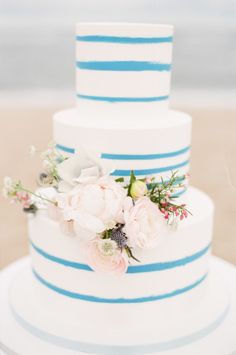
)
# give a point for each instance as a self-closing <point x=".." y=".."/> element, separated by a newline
<point x="120" y="215"/>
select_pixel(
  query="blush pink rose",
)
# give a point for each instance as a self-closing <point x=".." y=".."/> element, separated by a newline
<point x="105" y="257"/>
<point x="144" y="223"/>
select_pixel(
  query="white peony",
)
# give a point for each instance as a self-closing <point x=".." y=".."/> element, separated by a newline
<point x="93" y="206"/>
<point x="144" y="223"/>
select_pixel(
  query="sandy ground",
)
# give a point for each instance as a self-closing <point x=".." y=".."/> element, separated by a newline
<point x="213" y="169"/>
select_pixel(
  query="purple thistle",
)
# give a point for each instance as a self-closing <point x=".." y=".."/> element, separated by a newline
<point x="119" y="237"/>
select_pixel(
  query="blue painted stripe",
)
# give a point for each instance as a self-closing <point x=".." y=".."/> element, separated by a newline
<point x="146" y="172"/>
<point x="105" y="349"/>
<point x="129" y="65"/>
<point x="169" y="264"/>
<point x="90" y="298"/>
<point x="123" y="99"/>
<point x="145" y="156"/>
<point x="131" y="156"/>
<point x="65" y="149"/>
<point x="61" y="261"/>
<point x="131" y="269"/>
<point x="124" y="40"/>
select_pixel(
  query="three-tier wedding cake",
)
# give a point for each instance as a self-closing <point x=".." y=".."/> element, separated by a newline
<point x="158" y="291"/>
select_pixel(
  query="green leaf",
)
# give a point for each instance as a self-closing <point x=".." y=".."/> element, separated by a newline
<point x="120" y="179"/>
<point x="130" y="254"/>
<point x="154" y="186"/>
<point x="131" y="181"/>
<point x="132" y="177"/>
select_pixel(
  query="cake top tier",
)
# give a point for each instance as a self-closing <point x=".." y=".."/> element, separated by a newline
<point x="123" y="69"/>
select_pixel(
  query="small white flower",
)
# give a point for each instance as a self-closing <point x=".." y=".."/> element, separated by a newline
<point x="107" y="247"/>
<point x="32" y="150"/>
<point x="8" y="186"/>
<point x="8" y="182"/>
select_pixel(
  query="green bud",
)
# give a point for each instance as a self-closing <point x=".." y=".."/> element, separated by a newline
<point x="138" y="189"/>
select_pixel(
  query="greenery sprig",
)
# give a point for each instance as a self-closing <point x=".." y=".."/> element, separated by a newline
<point x="18" y="193"/>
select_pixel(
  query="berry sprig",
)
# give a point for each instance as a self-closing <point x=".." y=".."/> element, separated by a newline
<point x="163" y="194"/>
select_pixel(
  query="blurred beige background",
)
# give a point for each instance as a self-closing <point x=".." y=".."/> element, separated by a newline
<point x="213" y="169"/>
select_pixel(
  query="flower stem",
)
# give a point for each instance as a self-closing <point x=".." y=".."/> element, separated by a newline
<point x="38" y="196"/>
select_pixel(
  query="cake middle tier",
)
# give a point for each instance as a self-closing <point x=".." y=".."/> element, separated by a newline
<point x="151" y="149"/>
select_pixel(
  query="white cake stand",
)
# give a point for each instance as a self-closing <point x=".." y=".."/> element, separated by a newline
<point x="15" y="340"/>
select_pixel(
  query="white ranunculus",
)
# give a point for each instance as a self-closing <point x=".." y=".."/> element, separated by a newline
<point x="144" y="223"/>
<point x="94" y="206"/>
<point x="79" y="169"/>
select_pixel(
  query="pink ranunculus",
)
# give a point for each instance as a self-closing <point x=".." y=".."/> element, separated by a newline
<point x="144" y="223"/>
<point x="105" y="257"/>
<point x="94" y="206"/>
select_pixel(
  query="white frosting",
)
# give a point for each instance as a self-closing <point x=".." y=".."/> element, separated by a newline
<point x="95" y="51"/>
<point x="133" y="285"/>
<point x="114" y="43"/>
<point x="217" y="335"/>
<point x="167" y="134"/>
<point x="137" y="324"/>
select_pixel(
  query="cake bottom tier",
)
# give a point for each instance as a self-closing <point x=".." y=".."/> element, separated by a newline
<point x="177" y="265"/>
<point x="51" y="318"/>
